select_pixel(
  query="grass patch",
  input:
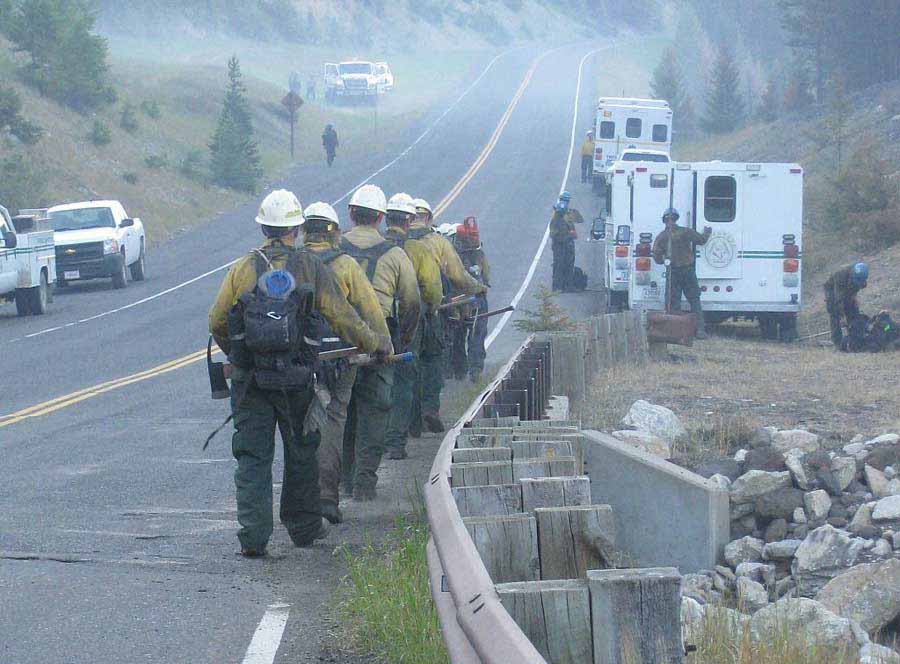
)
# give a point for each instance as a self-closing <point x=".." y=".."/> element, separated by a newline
<point x="386" y="606"/>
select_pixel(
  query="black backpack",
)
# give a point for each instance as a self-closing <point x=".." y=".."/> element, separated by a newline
<point x="372" y="255"/>
<point x="579" y="279"/>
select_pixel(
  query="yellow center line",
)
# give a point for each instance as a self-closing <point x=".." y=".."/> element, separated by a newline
<point x="58" y="403"/>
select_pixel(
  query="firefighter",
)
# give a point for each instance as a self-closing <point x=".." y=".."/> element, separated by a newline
<point x="677" y="244"/>
<point x="840" y="298"/>
<point x="587" y="157"/>
<point x="321" y="233"/>
<point x="434" y="337"/>
<point x="469" y="352"/>
<point x="401" y="210"/>
<point x="563" y="236"/>
<point x="330" y="143"/>
<point x="393" y="277"/>
<point x="269" y="390"/>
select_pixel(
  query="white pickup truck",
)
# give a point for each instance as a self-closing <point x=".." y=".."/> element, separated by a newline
<point x="27" y="263"/>
<point x="98" y="239"/>
<point x="357" y="78"/>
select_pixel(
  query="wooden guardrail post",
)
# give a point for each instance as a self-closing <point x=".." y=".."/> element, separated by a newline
<point x="491" y="500"/>
<point x="480" y="473"/>
<point x="507" y="546"/>
<point x="481" y="454"/>
<point x="544" y="467"/>
<point x="573" y="540"/>
<point x="555" y="492"/>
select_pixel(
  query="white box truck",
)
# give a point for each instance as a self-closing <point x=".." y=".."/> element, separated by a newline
<point x="751" y="267"/>
<point x="27" y="261"/>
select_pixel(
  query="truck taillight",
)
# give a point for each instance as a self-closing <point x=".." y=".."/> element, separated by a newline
<point x="791" y="251"/>
<point x="642" y="264"/>
<point x="621" y="251"/>
<point x="642" y="249"/>
<point x="791" y="265"/>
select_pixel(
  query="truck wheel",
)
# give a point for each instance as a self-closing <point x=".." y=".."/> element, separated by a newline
<point x="768" y="327"/>
<point x="788" y="328"/>
<point x="23" y="302"/>
<point x="38" y="297"/>
<point x="119" y="278"/>
<point x="138" y="268"/>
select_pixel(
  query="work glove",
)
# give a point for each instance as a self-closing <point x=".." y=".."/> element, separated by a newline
<point x="385" y="349"/>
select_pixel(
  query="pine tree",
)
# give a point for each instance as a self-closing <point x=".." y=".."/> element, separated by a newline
<point x="234" y="153"/>
<point x="797" y="94"/>
<point x="770" y="103"/>
<point x="724" y="105"/>
<point x="668" y="84"/>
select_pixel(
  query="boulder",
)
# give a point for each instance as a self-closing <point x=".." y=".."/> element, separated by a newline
<point x="844" y="471"/>
<point x="854" y="448"/>
<point x="657" y="420"/>
<point x="882" y="549"/>
<point x="862" y="517"/>
<point x="873" y="653"/>
<point x="877" y="481"/>
<point x="727" y="467"/>
<point x="804" y="619"/>
<point x="795" y="439"/>
<point x="883" y="439"/>
<point x="764" y="458"/>
<point x="780" y="504"/>
<point x="781" y="550"/>
<point x="756" y="571"/>
<point x="825" y="553"/>
<point x="691" y="620"/>
<point x="883" y="455"/>
<point x="762" y="437"/>
<point x="868" y="594"/>
<point x="887" y="509"/>
<point x="752" y="596"/>
<point x="729" y="622"/>
<point x="776" y="530"/>
<point x="794" y="462"/>
<point x="721" y="481"/>
<point x="799" y="515"/>
<point x="750" y="486"/>
<point x="697" y="587"/>
<point x="650" y="443"/>
<point x="817" y="504"/>
<point x="746" y="549"/>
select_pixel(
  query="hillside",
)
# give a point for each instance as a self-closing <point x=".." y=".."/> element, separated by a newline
<point x="869" y="126"/>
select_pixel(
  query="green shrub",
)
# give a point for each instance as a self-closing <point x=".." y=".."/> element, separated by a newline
<point x="11" y="118"/>
<point x="100" y="134"/>
<point x="865" y="203"/>
<point x="548" y="317"/>
<point x="156" y="162"/>
<point x="192" y="166"/>
<point x="128" y="120"/>
<point x="22" y="184"/>
<point x="151" y="109"/>
<point x="130" y="177"/>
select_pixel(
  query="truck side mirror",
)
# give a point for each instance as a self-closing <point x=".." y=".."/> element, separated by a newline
<point x="10" y="241"/>
<point x="125" y="223"/>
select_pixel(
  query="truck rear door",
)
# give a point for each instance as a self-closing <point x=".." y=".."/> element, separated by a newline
<point x="718" y="196"/>
<point x="8" y="265"/>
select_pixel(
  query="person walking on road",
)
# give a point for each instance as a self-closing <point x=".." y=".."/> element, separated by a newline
<point x="468" y="341"/>
<point x="393" y="277"/>
<point x="587" y="157"/>
<point x="563" y="236"/>
<point x="435" y="336"/>
<point x="677" y="245"/>
<point x="400" y="212"/>
<point x="841" y="289"/>
<point x="330" y="143"/>
<point x="322" y="235"/>
<point x="272" y="380"/>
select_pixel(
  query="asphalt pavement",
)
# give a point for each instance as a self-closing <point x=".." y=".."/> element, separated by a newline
<point x="117" y="533"/>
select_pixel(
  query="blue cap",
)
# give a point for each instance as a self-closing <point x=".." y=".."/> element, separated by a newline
<point x="671" y="212"/>
<point x="860" y="273"/>
<point x="565" y="196"/>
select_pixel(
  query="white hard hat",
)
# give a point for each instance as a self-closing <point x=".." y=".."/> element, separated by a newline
<point x="371" y="197"/>
<point x="320" y="210"/>
<point x="402" y="203"/>
<point x="448" y="229"/>
<point x="422" y="204"/>
<point x="281" y="209"/>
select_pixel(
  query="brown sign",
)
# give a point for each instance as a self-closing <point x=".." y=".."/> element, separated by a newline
<point x="292" y="102"/>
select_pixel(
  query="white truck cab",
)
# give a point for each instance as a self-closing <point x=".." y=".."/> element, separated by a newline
<point x="97" y="239"/>
<point x="27" y="261"/>
<point x="751" y="266"/>
<point x="357" y="79"/>
<point x="629" y="123"/>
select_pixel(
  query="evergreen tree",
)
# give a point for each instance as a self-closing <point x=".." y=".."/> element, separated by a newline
<point x="797" y="93"/>
<point x="11" y="119"/>
<point x="724" y="105"/>
<point x="668" y="84"/>
<point x="770" y="103"/>
<point x="234" y="153"/>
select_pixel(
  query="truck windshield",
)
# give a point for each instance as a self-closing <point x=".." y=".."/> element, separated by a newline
<point x="356" y="68"/>
<point x="73" y="220"/>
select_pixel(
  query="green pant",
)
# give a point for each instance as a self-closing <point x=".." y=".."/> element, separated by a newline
<point x="331" y="448"/>
<point x="256" y="414"/>
<point x="430" y="371"/>
<point x="367" y="421"/>
<point x="403" y="396"/>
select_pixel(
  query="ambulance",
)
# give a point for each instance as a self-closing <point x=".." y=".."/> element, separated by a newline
<point x="751" y="267"/>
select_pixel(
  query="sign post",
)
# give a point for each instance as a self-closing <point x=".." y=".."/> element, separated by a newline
<point x="292" y="102"/>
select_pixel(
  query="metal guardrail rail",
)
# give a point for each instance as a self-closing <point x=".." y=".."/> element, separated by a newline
<point x="475" y="625"/>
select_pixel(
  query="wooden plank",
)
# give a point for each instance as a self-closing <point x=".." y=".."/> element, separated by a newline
<point x="558" y="467"/>
<point x="573" y="540"/>
<point x="491" y="500"/>
<point x="506" y="421"/>
<point x="480" y="473"/>
<point x="549" y="424"/>
<point x="554" y="615"/>
<point x="636" y="615"/>
<point x="471" y="454"/>
<point x="541" y="449"/>
<point x="507" y="546"/>
<point x="555" y="492"/>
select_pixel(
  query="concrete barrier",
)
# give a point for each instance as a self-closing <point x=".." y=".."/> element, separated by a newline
<point x="666" y="515"/>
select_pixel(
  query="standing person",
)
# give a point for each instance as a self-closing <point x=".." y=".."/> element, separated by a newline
<point x="400" y="212"/>
<point x="840" y="298"/>
<point x="563" y="236"/>
<point x="272" y="384"/>
<point x="311" y="88"/>
<point x="393" y="277"/>
<point x="587" y="157"/>
<point x="677" y="244"/>
<point x="321" y="236"/>
<point x="330" y="143"/>
<point x="431" y="379"/>
<point x="470" y="338"/>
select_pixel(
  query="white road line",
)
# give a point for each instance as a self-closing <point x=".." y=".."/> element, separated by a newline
<point x="540" y="251"/>
<point x="405" y="152"/>
<point x="267" y="637"/>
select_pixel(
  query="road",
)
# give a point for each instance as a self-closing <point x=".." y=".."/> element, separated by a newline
<point x="117" y="533"/>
